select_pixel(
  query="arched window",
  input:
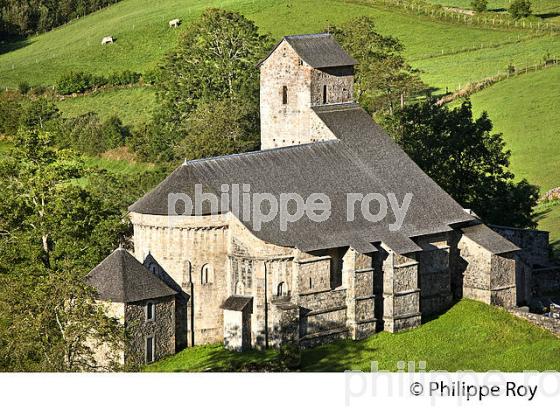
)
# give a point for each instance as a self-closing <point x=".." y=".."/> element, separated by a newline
<point x="186" y="274"/>
<point x="285" y="95"/>
<point x="206" y="274"/>
<point x="282" y="289"/>
<point x="239" y="288"/>
<point x="310" y="283"/>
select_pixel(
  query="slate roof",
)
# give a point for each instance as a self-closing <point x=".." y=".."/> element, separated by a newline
<point x="238" y="303"/>
<point x="364" y="159"/>
<point x="489" y="239"/>
<point x="121" y="278"/>
<point x="318" y="50"/>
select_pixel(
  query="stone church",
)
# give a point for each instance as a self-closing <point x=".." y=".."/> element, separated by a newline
<point x="214" y="277"/>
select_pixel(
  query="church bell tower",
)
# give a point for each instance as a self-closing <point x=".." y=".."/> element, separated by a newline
<point x="302" y="72"/>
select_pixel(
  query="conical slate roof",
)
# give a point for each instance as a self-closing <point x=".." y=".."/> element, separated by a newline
<point x="121" y="278"/>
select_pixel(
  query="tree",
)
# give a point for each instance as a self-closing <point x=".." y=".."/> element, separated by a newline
<point x="215" y="60"/>
<point x="52" y="232"/>
<point x="479" y="6"/>
<point x="466" y="159"/>
<point x="383" y="78"/>
<point x="220" y="128"/>
<point x="520" y="9"/>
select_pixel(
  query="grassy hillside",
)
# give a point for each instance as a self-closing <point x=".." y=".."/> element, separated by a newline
<point x="525" y="110"/>
<point x="548" y="218"/>
<point x="143" y="37"/>
<point x="470" y="336"/>
<point x="132" y="105"/>
<point x="546" y="9"/>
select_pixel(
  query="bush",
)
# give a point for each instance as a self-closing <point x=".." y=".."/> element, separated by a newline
<point x="79" y="82"/>
<point x="479" y="5"/>
<point x="24" y="87"/>
<point x="74" y="83"/>
<point x="520" y="8"/>
<point x="152" y="76"/>
<point x="124" y="78"/>
<point x="10" y="112"/>
<point x="87" y="134"/>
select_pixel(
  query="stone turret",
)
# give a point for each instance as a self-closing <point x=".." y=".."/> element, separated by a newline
<point x="300" y="73"/>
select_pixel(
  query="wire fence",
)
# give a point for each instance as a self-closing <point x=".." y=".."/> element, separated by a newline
<point x="512" y="71"/>
<point x="461" y="16"/>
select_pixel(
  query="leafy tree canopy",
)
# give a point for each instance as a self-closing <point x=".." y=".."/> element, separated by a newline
<point x="520" y="9"/>
<point x="215" y="60"/>
<point x="466" y="159"/>
<point x="383" y="77"/>
<point x="57" y="220"/>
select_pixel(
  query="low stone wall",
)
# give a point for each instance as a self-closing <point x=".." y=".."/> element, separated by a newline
<point x="548" y="323"/>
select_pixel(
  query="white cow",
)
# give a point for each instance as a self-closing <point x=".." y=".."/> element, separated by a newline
<point x="174" y="23"/>
<point x="107" y="40"/>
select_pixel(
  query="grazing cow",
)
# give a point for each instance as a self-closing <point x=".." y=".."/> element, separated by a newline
<point x="107" y="40"/>
<point x="174" y="23"/>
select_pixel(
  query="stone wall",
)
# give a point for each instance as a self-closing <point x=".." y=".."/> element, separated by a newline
<point x="487" y="277"/>
<point x="535" y="250"/>
<point x="185" y="246"/>
<point x="548" y="323"/>
<point x="401" y="294"/>
<point x="104" y="354"/>
<point x="162" y="328"/>
<point x="434" y="275"/>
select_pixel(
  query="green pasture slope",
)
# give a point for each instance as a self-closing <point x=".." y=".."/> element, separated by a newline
<point x="143" y="37"/>
<point x="470" y="336"/>
<point x="131" y="104"/>
<point x="549" y="10"/>
<point x="526" y="109"/>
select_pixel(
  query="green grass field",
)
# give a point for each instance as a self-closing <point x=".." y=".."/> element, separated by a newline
<point x="142" y="35"/>
<point x="525" y="109"/>
<point x="134" y="104"/>
<point x="545" y="9"/>
<point x="548" y="218"/>
<point x="470" y="336"/>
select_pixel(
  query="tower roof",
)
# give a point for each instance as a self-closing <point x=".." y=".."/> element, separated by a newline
<point x="121" y="278"/>
<point x="318" y="50"/>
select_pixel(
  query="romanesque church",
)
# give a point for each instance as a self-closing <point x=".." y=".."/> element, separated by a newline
<point x="211" y="276"/>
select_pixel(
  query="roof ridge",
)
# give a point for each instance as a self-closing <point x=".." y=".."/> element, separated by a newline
<point x="310" y="35"/>
<point x="258" y="152"/>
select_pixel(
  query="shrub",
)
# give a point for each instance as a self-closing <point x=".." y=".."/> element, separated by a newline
<point x="24" y="87"/>
<point x="520" y="8"/>
<point x="152" y="76"/>
<point x="10" y="112"/>
<point x="479" y="5"/>
<point x="124" y="78"/>
<point x="510" y="69"/>
<point x="74" y="83"/>
<point x="78" y="82"/>
<point x="114" y="133"/>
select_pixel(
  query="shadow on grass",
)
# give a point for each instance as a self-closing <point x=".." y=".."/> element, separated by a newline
<point x="7" y="46"/>
<point x="548" y="15"/>
<point x="336" y="357"/>
<point x="434" y="316"/>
